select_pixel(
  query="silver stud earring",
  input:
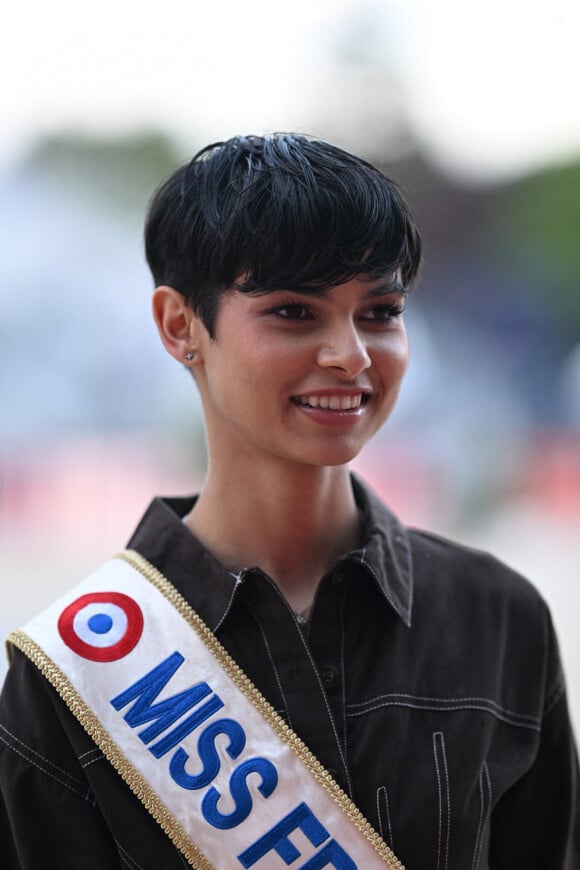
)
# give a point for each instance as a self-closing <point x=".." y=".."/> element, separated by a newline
<point x="189" y="356"/>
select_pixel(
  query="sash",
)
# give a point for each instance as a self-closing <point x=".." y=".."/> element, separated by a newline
<point x="224" y="776"/>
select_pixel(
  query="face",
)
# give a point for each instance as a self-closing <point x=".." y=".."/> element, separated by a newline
<point x="302" y="377"/>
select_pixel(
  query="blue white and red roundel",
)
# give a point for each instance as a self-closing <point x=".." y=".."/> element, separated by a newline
<point x="101" y="626"/>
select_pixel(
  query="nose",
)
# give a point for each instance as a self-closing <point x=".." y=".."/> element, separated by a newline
<point x="344" y="351"/>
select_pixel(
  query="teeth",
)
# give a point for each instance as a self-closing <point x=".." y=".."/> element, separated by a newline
<point x="333" y="403"/>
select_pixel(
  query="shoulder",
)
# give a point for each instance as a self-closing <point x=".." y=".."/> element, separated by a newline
<point x="490" y="616"/>
<point x="461" y="587"/>
<point x="38" y="732"/>
<point x="442" y="565"/>
<point x="32" y="708"/>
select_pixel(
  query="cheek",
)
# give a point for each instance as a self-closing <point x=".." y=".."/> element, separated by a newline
<point x="403" y="356"/>
<point x="394" y="357"/>
<point x="273" y="365"/>
<point x="242" y="382"/>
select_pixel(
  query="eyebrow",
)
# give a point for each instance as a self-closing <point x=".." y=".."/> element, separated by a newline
<point x="393" y="286"/>
<point x="390" y="285"/>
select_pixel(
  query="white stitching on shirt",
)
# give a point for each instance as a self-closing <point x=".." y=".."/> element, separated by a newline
<point x="491" y="703"/>
<point x="380" y="820"/>
<point x="554" y="697"/>
<point x="343" y="674"/>
<point x="411" y="580"/>
<point x="444" y="710"/>
<point x="182" y="859"/>
<point x="382" y="586"/>
<point x="483" y="814"/>
<point x="229" y="604"/>
<point x="445" y="704"/>
<point x="86" y="794"/>
<point x="361" y="556"/>
<point x="475" y="862"/>
<point x="93" y="761"/>
<point x="272" y="662"/>
<point x="126" y="858"/>
<point x="81" y="786"/>
<point x="98" y="756"/>
<point x="90" y="752"/>
<point x="382" y="790"/>
<point x="321" y="687"/>
<point x="444" y="812"/>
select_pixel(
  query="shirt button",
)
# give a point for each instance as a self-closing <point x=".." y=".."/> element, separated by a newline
<point x="329" y="676"/>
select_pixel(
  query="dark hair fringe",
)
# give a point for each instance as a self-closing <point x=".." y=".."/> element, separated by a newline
<point x="276" y="212"/>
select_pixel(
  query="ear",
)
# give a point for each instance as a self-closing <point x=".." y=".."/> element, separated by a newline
<point x="177" y="323"/>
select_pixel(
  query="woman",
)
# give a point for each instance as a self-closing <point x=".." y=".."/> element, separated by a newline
<point x="424" y="677"/>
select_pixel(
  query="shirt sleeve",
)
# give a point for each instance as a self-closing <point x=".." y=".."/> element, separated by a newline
<point x="537" y="822"/>
<point x="48" y="813"/>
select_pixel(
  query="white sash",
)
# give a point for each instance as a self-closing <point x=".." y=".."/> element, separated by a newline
<point x="222" y="773"/>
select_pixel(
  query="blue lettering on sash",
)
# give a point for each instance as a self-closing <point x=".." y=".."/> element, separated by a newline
<point x="332" y="854"/>
<point x="188" y="725"/>
<point x="240" y="793"/>
<point x="164" y="714"/>
<point x="208" y="754"/>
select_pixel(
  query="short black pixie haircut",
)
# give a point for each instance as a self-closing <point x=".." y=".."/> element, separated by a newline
<point x="285" y="211"/>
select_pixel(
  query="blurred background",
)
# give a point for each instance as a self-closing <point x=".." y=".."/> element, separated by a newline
<point x="473" y="107"/>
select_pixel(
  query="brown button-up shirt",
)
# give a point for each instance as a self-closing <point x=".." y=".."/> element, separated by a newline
<point x="426" y="680"/>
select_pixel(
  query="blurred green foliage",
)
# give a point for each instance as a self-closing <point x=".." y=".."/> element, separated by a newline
<point x="124" y="170"/>
<point x="540" y="221"/>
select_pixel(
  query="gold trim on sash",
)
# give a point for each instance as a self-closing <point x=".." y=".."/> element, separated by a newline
<point x="136" y="781"/>
<point x="111" y="751"/>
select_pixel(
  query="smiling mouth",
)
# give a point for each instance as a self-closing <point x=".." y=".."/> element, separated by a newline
<point x="333" y="403"/>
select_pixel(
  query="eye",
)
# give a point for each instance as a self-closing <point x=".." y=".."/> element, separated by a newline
<point x="384" y="313"/>
<point x="292" y="311"/>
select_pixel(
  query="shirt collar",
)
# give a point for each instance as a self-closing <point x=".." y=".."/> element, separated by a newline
<point x="163" y="539"/>
<point x="386" y="551"/>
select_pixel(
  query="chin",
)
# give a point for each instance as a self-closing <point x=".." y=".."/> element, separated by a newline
<point x="330" y="458"/>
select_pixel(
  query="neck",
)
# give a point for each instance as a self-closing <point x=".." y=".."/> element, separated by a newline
<point x="292" y="523"/>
